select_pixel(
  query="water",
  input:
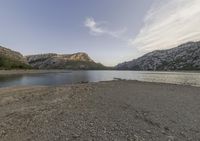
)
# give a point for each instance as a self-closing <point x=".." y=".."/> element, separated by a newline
<point x="186" y="78"/>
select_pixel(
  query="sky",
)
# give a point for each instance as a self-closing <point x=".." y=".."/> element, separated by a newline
<point x="109" y="31"/>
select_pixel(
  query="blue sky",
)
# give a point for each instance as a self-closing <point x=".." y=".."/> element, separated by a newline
<point x="110" y="31"/>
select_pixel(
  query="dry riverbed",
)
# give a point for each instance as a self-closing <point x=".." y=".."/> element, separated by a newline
<point x="104" y="111"/>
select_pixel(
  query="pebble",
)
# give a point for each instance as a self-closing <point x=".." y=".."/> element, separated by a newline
<point x="3" y="133"/>
<point x="75" y="135"/>
<point x="163" y="132"/>
<point x="166" y="128"/>
<point x="148" y="131"/>
<point x="183" y="134"/>
<point x="170" y="138"/>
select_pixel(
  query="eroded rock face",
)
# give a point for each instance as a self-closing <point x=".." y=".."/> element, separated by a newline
<point x="183" y="57"/>
<point x="62" y="61"/>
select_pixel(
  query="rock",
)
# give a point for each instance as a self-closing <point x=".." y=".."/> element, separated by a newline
<point x="166" y="128"/>
<point x="148" y="131"/>
<point x="182" y="134"/>
<point x="163" y="132"/>
<point x="3" y="133"/>
<point x="183" y="57"/>
<point x="75" y="135"/>
<point x="170" y="138"/>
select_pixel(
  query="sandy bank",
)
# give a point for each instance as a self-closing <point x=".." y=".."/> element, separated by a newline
<point x="116" y="110"/>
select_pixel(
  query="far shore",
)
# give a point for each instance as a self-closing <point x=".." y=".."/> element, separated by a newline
<point x="38" y="71"/>
<point x="31" y="71"/>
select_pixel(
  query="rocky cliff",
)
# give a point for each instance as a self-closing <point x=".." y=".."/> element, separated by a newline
<point x="183" y="57"/>
<point x="10" y="59"/>
<point x="63" y="61"/>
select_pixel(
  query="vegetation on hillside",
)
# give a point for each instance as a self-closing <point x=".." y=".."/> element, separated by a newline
<point x="8" y="63"/>
<point x="78" y="65"/>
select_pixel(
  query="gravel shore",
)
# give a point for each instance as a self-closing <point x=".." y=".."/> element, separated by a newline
<point x="104" y="111"/>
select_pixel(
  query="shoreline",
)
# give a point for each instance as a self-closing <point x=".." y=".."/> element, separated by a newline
<point x="38" y="71"/>
<point x="93" y="83"/>
<point x="21" y="72"/>
<point x="108" y="110"/>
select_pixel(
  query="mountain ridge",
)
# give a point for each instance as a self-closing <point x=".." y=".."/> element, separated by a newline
<point x="79" y="60"/>
<point x="183" y="57"/>
<point x="10" y="59"/>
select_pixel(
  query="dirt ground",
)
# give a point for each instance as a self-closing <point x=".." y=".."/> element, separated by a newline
<point x="104" y="111"/>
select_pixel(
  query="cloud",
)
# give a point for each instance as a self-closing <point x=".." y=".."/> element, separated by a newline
<point x="99" y="28"/>
<point x="169" y="23"/>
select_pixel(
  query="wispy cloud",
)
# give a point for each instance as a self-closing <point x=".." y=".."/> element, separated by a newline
<point x="99" y="28"/>
<point x="169" y="23"/>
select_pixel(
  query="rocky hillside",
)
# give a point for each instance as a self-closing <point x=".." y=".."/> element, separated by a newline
<point x="12" y="60"/>
<point x="183" y="57"/>
<point x="63" y="61"/>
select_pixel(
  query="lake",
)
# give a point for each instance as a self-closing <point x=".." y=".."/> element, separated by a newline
<point x="70" y="77"/>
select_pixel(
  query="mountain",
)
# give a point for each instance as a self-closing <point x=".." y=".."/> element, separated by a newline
<point x="183" y="57"/>
<point x="63" y="61"/>
<point x="10" y="59"/>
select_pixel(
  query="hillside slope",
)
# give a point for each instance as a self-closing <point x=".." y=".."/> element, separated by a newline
<point x="183" y="57"/>
<point x="10" y="59"/>
<point x="63" y="61"/>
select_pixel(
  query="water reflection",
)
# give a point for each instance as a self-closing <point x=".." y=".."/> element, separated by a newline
<point x="188" y="78"/>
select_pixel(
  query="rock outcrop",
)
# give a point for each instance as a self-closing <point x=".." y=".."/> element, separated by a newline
<point x="183" y="57"/>
<point x="10" y="59"/>
<point x="63" y="61"/>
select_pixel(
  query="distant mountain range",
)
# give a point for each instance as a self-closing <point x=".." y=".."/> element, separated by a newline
<point x="183" y="57"/>
<point x="79" y="61"/>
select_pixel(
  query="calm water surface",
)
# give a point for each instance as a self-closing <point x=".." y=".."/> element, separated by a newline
<point x="186" y="78"/>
